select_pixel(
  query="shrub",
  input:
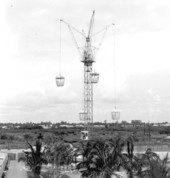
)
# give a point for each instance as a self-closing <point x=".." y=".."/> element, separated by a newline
<point x="11" y="137"/>
<point x="4" y="137"/>
<point x="27" y="136"/>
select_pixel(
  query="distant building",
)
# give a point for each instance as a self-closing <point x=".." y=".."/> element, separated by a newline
<point x="79" y="125"/>
<point x="66" y="125"/>
<point x="46" y="126"/>
<point x="99" y="126"/>
<point x="4" y="127"/>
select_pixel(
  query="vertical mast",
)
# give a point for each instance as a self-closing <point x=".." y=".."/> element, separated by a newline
<point x="88" y="60"/>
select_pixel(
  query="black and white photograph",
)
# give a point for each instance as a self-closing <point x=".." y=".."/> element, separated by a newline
<point x="84" y="89"/>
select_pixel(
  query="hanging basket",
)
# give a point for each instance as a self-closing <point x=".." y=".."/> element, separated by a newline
<point x="94" y="77"/>
<point x="60" y="81"/>
<point x="82" y="116"/>
<point x="115" y="114"/>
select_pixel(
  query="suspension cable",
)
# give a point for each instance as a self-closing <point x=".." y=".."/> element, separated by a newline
<point x="60" y="52"/>
<point x="114" y="61"/>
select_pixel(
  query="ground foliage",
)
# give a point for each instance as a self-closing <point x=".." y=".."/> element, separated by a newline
<point x="104" y="158"/>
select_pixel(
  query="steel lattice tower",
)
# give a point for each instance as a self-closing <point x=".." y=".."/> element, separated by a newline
<point x="88" y="59"/>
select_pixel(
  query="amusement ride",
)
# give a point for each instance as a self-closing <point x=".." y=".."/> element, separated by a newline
<point x="87" y="53"/>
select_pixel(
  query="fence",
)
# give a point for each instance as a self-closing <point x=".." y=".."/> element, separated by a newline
<point x="154" y="147"/>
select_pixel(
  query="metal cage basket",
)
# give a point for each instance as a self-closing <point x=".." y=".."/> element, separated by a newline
<point x="94" y="77"/>
<point x="82" y="116"/>
<point x="60" y="81"/>
<point x="115" y="114"/>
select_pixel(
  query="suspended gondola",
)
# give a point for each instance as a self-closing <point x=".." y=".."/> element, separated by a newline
<point x="60" y="81"/>
<point x="82" y="116"/>
<point x="115" y="114"/>
<point x="94" y="77"/>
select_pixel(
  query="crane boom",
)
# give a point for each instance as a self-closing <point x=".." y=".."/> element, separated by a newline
<point x="72" y="27"/>
<point x="91" y="24"/>
<point x="103" y="29"/>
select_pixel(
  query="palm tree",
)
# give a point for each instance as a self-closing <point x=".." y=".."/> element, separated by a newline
<point x="101" y="158"/>
<point x="35" y="158"/>
<point x="131" y="163"/>
<point x="158" y="168"/>
<point x="60" y="154"/>
<point x="154" y="166"/>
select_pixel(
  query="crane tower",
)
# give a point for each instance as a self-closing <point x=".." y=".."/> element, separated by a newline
<point x="88" y="59"/>
<point x="87" y="54"/>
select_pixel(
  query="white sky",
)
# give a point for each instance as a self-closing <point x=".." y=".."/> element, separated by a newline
<point x="29" y="59"/>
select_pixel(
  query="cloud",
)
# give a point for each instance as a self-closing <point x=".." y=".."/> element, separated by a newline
<point x="145" y="97"/>
<point x="40" y="105"/>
